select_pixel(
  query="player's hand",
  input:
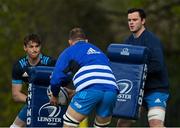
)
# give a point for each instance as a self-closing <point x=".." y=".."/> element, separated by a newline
<point x="54" y="100"/>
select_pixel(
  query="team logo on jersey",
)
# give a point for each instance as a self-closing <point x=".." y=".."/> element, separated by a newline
<point x="125" y="51"/>
<point x="125" y="87"/>
<point x="49" y="113"/>
<point x="92" y="51"/>
<point x="25" y="74"/>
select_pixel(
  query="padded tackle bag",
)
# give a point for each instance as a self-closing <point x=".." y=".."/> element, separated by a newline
<point x="128" y="63"/>
<point x="40" y="112"/>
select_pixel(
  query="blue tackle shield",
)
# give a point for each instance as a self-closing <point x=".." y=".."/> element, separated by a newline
<point x="40" y="112"/>
<point x="128" y="63"/>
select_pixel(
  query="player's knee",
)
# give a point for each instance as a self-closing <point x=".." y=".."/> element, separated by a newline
<point x="18" y="123"/>
<point x="124" y="123"/>
<point x="100" y="125"/>
<point x="156" y="123"/>
<point x="156" y="114"/>
<point x="70" y="121"/>
<point x="14" y="126"/>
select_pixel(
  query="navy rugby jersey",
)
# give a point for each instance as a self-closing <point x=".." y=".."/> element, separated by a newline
<point x="20" y="68"/>
<point x="157" y="77"/>
<point x="87" y="64"/>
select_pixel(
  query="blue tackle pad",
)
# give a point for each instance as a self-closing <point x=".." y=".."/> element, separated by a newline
<point x="40" y="112"/>
<point x="128" y="63"/>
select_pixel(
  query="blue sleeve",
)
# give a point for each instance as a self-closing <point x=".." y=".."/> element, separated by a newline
<point x="59" y="76"/>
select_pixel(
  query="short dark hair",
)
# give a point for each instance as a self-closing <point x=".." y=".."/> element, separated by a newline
<point x="141" y="12"/>
<point x="77" y="34"/>
<point x="32" y="37"/>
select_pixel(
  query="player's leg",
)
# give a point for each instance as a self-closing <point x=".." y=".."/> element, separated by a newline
<point x="81" y="105"/>
<point x="18" y="123"/>
<point x="20" y="120"/>
<point x="156" y="116"/>
<point x="102" y="121"/>
<point x="72" y="118"/>
<point x="128" y="122"/>
<point x="104" y="109"/>
<point x="124" y="123"/>
<point x="156" y="103"/>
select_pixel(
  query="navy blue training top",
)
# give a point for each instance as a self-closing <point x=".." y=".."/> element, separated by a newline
<point x="20" y="68"/>
<point x="157" y="77"/>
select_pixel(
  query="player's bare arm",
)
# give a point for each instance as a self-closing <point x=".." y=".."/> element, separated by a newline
<point x="17" y="95"/>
